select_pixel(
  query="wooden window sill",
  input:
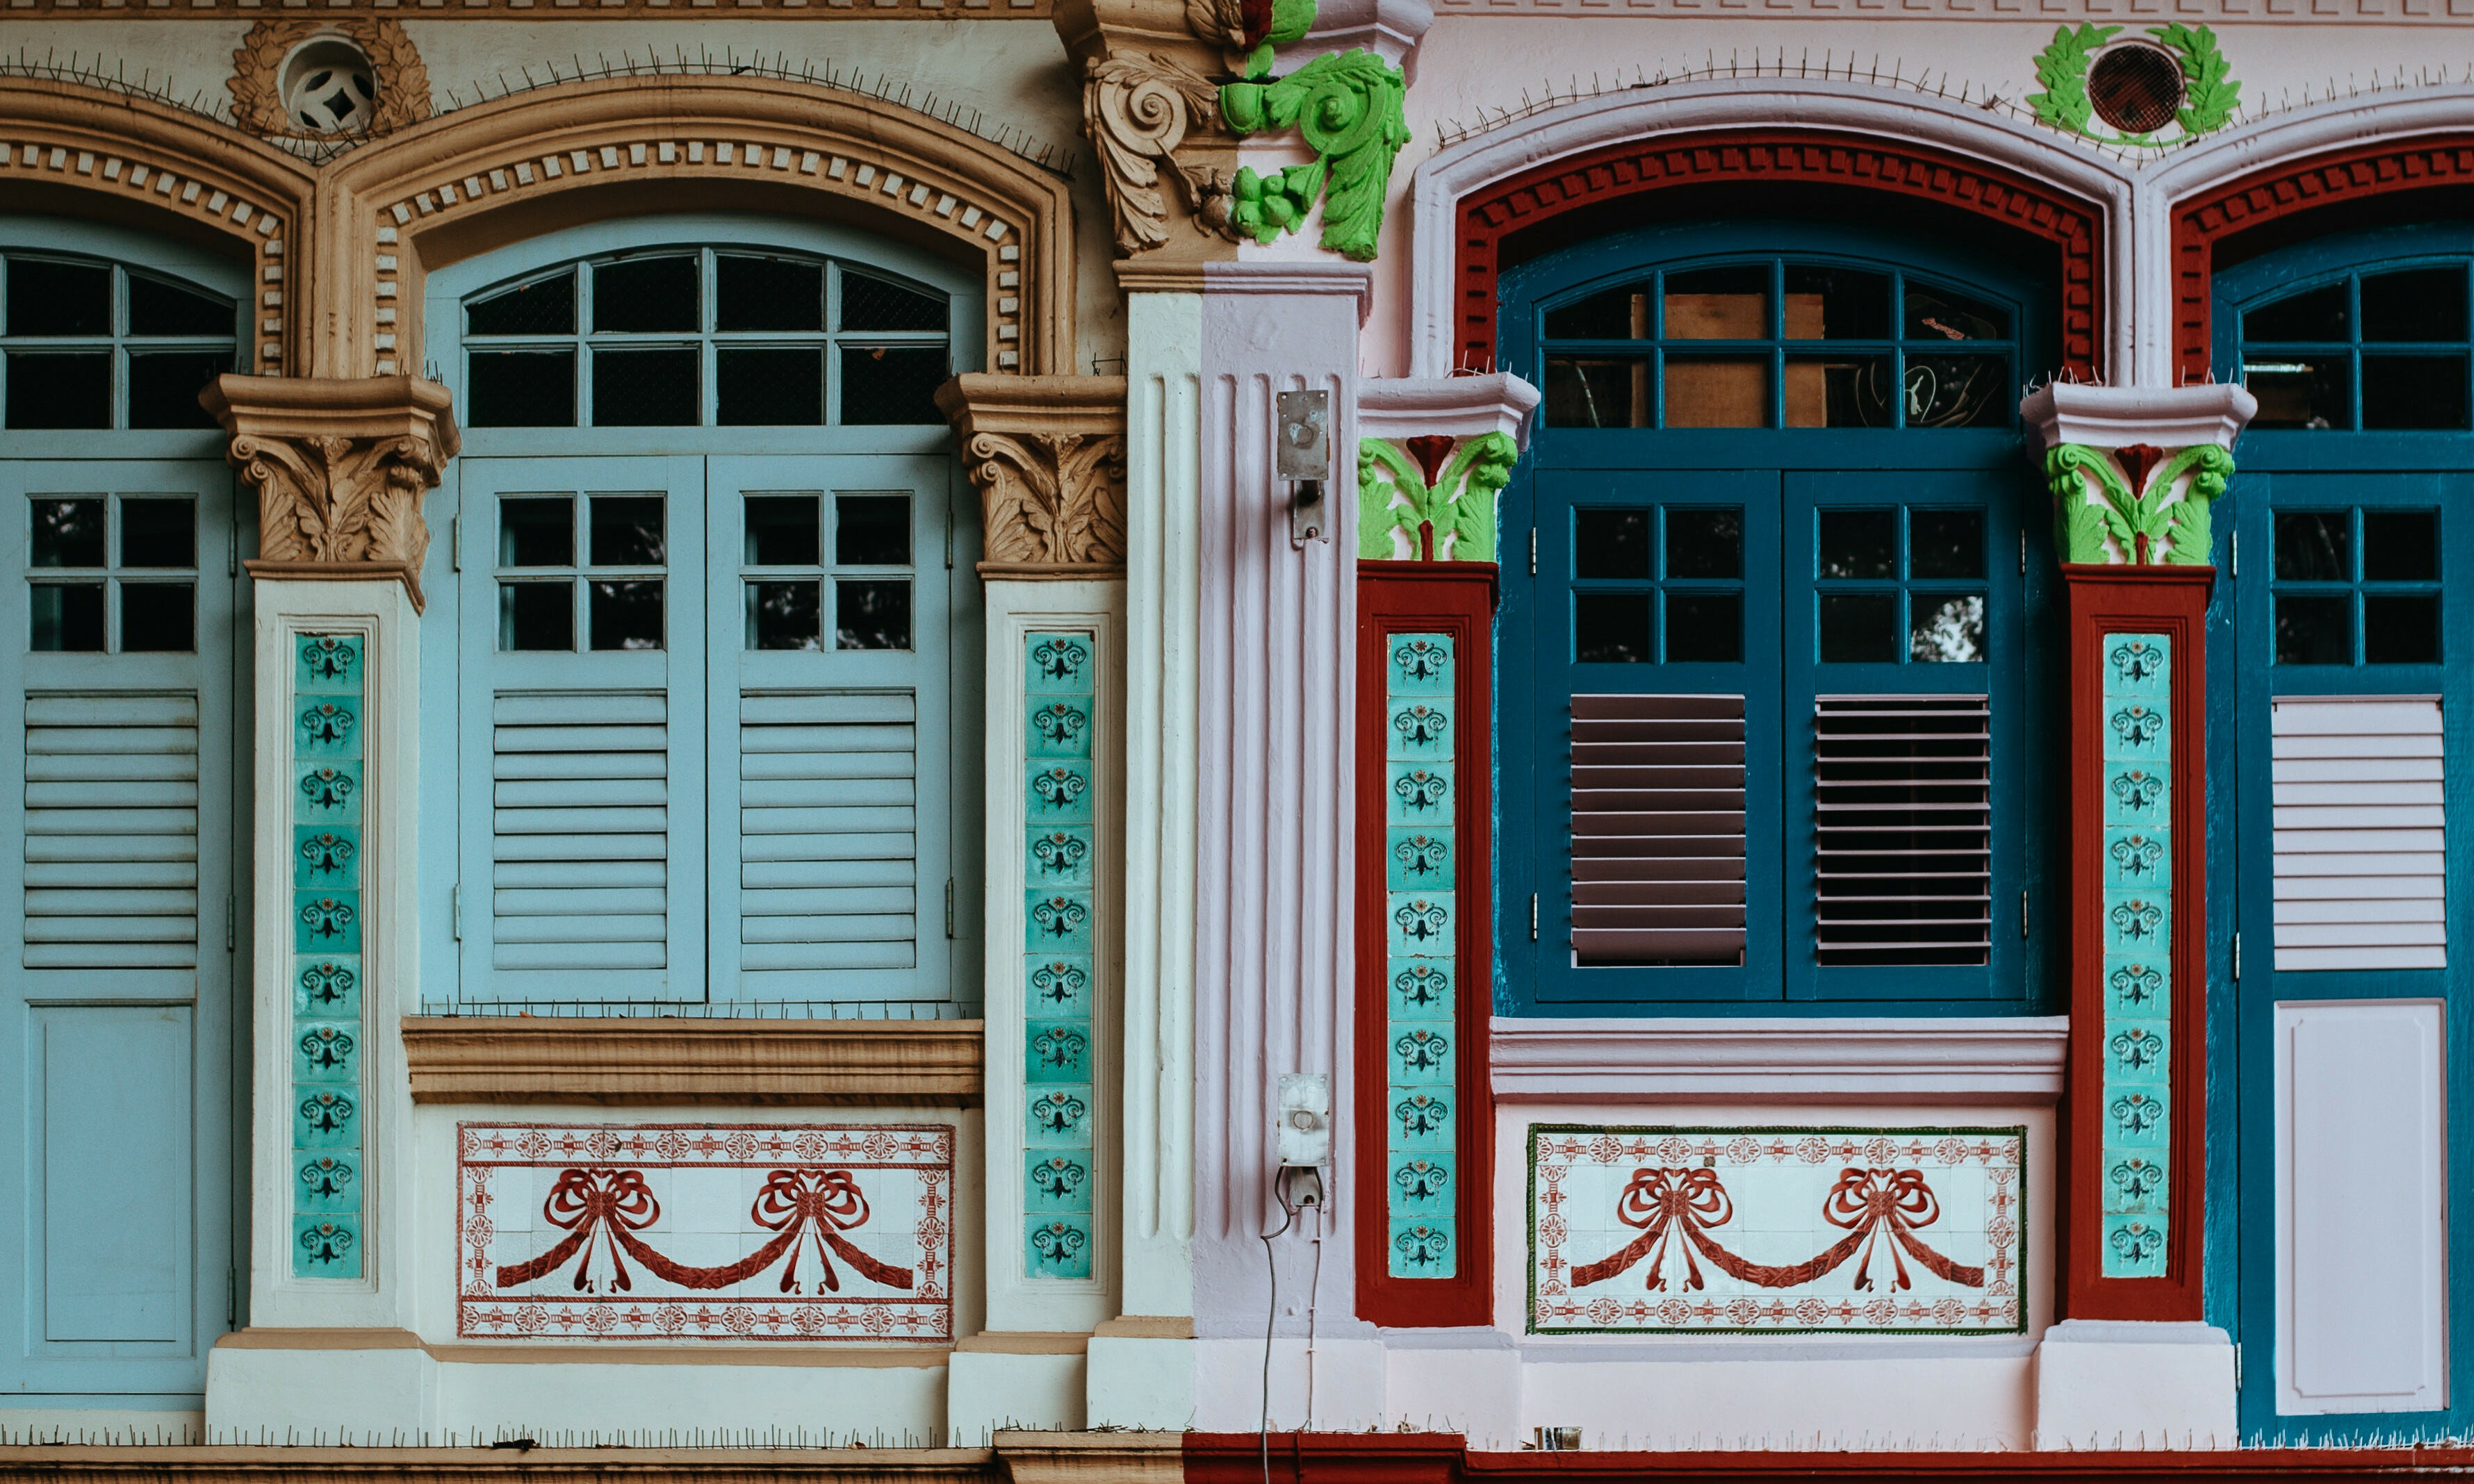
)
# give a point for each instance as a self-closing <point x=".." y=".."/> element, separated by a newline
<point x="632" y="1062"/>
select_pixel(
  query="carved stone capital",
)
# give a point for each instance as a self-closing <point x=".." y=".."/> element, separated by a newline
<point x="1048" y="456"/>
<point x="340" y="467"/>
<point x="2134" y="471"/>
<point x="1138" y="109"/>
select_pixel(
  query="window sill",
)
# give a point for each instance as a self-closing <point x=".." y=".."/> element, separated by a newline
<point x="1936" y="1061"/>
<point x="752" y="1063"/>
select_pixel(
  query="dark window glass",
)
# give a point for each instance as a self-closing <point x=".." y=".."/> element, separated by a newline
<point x="157" y="617"/>
<point x="1611" y="543"/>
<point x="545" y="306"/>
<point x="2401" y="630"/>
<point x="767" y="294"/>
<point x="1705" y="627"/>
<point x="55" y="390"/>
<point x="158" y="533"/>
<point x="1718" y="303"/>
<point x="882" y="385"/>
<point x="636" y="388"/>
<point x="1959" y="391"/>
<point x="1837" y="391"/>
<point x="1945" y="543"/>
<point x="769" y="388"/>
<point x="2318" y="314"/>
<point x="1704" y="542"/>
<point x="1943" y="314"/>
<point x="60" y="298"/>
<point x="871" y="615"/>
<point x="871" y="530"/>
<point x="1836" y="303"/>
<point x="646" y="295"/>
<point x="2314" y="630"/>
<point x="2401" y="545"/>
<point x="626" y="531"/>
<point x="784" y="615"/>
<point x="1597" y="391"/>
<point x="68" y="533"/>
<point x="537" y="531"/>
<point x="2421" y="304"/>
<point x="627" y="615"/>
<point x="1859" y="544"/>
<point x="782" y="530"/>
<point x="520" y="389"/>
<point x="2414" y="391"/>
<point x="2300" y="392"/>
<point x="1610" y="314"/>
<point x="1716" y="392"/>
<point x="159" y="308"/>
<point x="874" y="304"/>
<point x="1860" y="628"/>
<point x="536" y="616"/>
<point x="66" y="617"/>
<point x="1611" y="628"/>
<point x="1946" y="628"/>
<point x="163" y="387"/>
<point x="2314" y="546"/>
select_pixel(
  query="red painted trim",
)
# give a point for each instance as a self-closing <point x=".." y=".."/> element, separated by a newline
<point x="2172" y="601"/>
<point x="2337" y="177"/>
<point x="1430" y="597"/>
<point x="1770" y="156"/>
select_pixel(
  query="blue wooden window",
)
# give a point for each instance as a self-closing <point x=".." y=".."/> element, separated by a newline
<point x="1773" y="649"/>
<point x="88" y="343"/>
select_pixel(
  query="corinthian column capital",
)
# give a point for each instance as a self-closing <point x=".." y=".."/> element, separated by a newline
<point x="1048" y="456"/>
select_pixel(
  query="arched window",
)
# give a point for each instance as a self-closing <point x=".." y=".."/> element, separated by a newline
<point x="1775" y="736"/>
<point x="707" y="730"/>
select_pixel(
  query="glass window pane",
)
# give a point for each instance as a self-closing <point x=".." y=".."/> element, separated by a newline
<point x="545" y="306"/>
<point x="1837" y="391"/>
<point x="1704" y="542"/>
<point x="163" y="387"/>
<point x="871" y="530"/>
<point x="1946" y="628"/>
<point x="2315" y="391"/>
<point x="627" y="615"/>
<point x="1611" y="628"/>
<point x="628" y="531"/>
<point x="1945" y="543"/>
<point x="2414" y="391"/>
<point x="1707" y="391"/>
<point x="646" y="294"/>
<point x="66" y="617"/>
<point x="158" y="533"/>
<point x="51" y="390"/>
<point x="769" y="388"/>
<point x="1937" y="313"/>
<point x="1860" y="628"/>
<point x="644" y="389"/>
<point x="2401" y="545"/>
<point x="874" y="304"/>
<point x="2314" y="546"/>
<point x="60" y="298"/>
<point x="519" y="388"/>
<point x="782" y="530"/>
<point x="767" y="294"/>
<point x="1836" y="303"/>
<point x="68" y="533"/>
<point x="537" y="531"/>
<point x="1719" y="303"/>
<point x="1959" y="391"/>
<point x="1859" y="544"/>
<point x="159" y="308"/>
<point x="784" y="615"/>
<point x="2314" y="630"/>
<point x="871" y="613"/>
<point x="1705" y="626"/>
<point x="2420" y="304"/>
<point x="2317" y="313"/>
<point x="536" y="616"/>
<point x="1611" y="543"/>
<point x="157" y="617"/>
<point x="1597" y="391"/>
<point x="2400" y="630"/>
<point x="1610" y="314"/>
<point x="883" y="385"/>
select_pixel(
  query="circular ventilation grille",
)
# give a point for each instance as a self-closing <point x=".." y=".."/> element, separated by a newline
<point x="327" y="87"/>
<point x="2136" y="87"/>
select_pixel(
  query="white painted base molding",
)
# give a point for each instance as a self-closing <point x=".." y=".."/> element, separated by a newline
<point x="2117" y="1383"/>
<point x="1138" y="1382"/>
<point x="993" y="1390"/>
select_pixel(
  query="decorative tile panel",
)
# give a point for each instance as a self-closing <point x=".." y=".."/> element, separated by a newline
<point x="1422" y="946"/>
<point x="328" y="1117"/>
<point x="807" y="1233"/>
<point x="1059" y="1043"/>
<point x="1652" y="1230"/>
<point x="2136" y="793"/>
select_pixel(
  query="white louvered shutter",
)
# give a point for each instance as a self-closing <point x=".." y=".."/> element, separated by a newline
<point x="2361" y="833"/>
<point x="1658" y="829"/>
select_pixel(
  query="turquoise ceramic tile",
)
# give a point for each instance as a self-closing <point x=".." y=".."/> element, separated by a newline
<point x="1419" y="922"/>
<point x="1058" y="985"/>
<point x="2137" y="857"/>
<point x="2138" y="667"/>
<point x="1057" y="1179"/>
<point x="1424" y="1247"/>
<point x="327" y="1183"/>
<point x="327" y="985"/>
<point x="2136" y="731"/>
<point x="1421" y="1184"/>
<point x="1422" y="665"/>
<point x="2138" y="794"/>
<point x="1056" y="922"/>
<point x="2136" y="1051"/>
<point x="1419" y="858"/>
<point x="2138" y="922"/>
<point x="1419" y="794"/>
<point x="2134" y="1181"/>
<point x="2133" y="1247"/>
<point x="326" y="793"/>
<point x="1057" y="665"/>
<point x="1057" y="1117"/>
<point x="1421" y="1120"/>
<point x="325" y="727"/>
<point x="325" y="1052"/>
<point x="327" y="1246"/>
<point x="328" y="664"/>
<point x="1057" y="792"/>
<point x="1420" y="1053"/>
<point x="2135" y="1118"/>
<point x="1058" y="855"/>
<point x="1056" y="1246"/>
<point x="2138" y="987"/>
<point x="327" y="921"/>
<point x="1057" y="1051"/>
<point x="1418" y="728"/>
<point x="1056" y="726"/>
<point x="325" y="1118"/>
<point x="1420" y="988"/>
<point x="325" y="856"/>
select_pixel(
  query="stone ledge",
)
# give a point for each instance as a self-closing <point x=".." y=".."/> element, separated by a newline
<point x="639" y="1062"/>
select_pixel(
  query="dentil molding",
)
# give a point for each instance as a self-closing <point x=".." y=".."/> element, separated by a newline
<point x="1048" y="456"/>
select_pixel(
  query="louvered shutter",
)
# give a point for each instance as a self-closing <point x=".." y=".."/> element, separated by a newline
<point x="112" y="830"/>
<point x="1658" y="829"/>
<point x="828" y="842"/>
<point x="1902" y="838"/>
<point x="2359" y="831"/>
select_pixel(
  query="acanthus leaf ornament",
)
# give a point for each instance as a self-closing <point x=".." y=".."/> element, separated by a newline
<point x="1351" y="109"/>
<point x="1438" y="505"/>
<point x="1047" y="457"/>
<point x="2157" y="511"/>
<point x="2209" y="93"/>
<point x="1138" y="111"/>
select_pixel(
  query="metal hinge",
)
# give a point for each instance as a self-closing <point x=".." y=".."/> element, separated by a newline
<point x="949" y="906"/>
<point x="2022" y="914"/>
<point x="2022" y="553"/>
<point x="232" y="1298"/>
<point x="2233" y="542"/>
<point x="2236" y="958"/>
<point x="1533" y="916"/>
<point x="232" y="919"/>
<point x="455" y="912"/>
<point x="1533" y="551"/>
<point x="2236" y="1365"/>
<point x="949" y="553"/>
<point x="455" y="543"/>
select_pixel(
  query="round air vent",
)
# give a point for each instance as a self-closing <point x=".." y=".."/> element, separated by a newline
<point x="328" y="88"/>
<point x="2136" y="87"/>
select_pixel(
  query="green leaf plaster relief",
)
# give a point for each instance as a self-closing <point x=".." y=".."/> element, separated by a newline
<point x="1350" y="108"/>
<point x="2097" y="517"/>
<point x="1394" y="496"/>
<point x="2209" y="93"/>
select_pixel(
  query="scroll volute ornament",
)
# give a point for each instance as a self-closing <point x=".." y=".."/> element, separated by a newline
<point x="340" y="467"/>
<point x="1149" y="108"/>
<point x="1048" y="456"/>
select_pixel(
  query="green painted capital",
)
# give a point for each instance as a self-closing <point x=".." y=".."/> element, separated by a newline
<point x="1396" y="507"/>
<point x="2098" y="517"/>
<point x="1350" y="106"/>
